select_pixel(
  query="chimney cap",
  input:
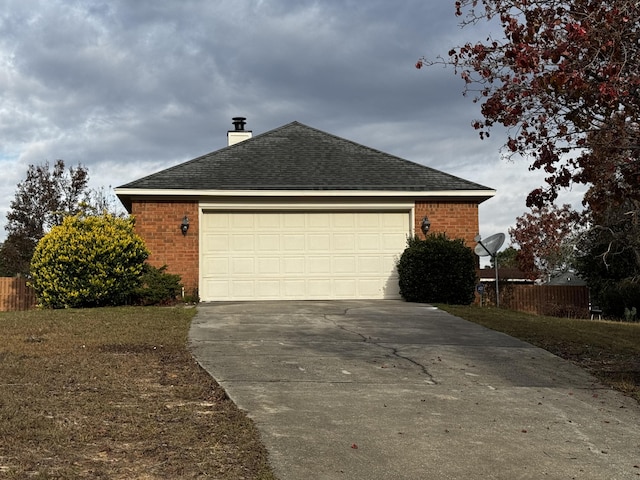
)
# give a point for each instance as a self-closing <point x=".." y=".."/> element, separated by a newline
<point x="239" y="123"/>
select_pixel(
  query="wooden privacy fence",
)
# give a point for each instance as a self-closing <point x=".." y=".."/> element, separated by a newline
<point x="15" y="294"/>
<point x="555" y="300"/>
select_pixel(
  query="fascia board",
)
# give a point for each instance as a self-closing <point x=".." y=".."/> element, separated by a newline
<point x="143" y="192"/>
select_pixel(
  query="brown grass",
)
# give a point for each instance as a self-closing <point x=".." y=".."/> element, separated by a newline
<point x="114" y="393"/>
<point x="608" y="350"/>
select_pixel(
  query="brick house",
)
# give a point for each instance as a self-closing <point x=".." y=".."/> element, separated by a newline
<point x="294" y="213"/>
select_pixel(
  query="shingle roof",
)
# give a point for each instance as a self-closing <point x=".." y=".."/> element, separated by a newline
<point x="298" y="157"/>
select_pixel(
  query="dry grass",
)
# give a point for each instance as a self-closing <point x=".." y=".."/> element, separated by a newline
<point x="608" y="350"/>
<point x="114" y="394"/>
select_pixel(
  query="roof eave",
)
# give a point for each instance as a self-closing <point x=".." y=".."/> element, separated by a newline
<point x="126" y="195"/>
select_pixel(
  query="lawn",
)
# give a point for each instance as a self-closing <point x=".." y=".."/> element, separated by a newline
<point x="113" y="393"/>
<point x="608" y="350"/>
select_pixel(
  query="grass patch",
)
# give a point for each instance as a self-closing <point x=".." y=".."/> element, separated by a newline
<point x="608" y="350"/>
<point x="113" y="393"/>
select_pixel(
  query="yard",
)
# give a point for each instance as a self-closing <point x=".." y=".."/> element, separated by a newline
<point x="114" y="393"/>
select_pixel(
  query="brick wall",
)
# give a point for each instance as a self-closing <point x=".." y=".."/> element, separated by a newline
<point x="158" y="223"/>
<point x="456" y="219"/>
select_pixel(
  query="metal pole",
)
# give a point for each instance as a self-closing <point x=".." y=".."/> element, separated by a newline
<point x="495" y="262"/>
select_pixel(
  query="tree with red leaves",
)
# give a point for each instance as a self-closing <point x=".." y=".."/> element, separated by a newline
<point x="565" y="81"/>
<point x="546" y="238"/>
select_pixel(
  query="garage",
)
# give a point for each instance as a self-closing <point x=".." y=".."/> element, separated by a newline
<point x="294" y="213"/>
<point x="293" y="255"/>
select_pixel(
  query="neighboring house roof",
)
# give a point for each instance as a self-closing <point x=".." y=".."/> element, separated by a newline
<point x="566" y="278"/>
<point x="295" y="157"/>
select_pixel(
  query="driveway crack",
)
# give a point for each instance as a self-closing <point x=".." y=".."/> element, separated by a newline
<point x="393" y="350"/>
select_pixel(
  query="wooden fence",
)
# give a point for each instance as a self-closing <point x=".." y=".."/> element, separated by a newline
<point x="554" y="300"/>
<point x="15" y="294"/>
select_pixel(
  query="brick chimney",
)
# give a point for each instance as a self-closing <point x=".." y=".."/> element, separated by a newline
<point x="239" y="134"/>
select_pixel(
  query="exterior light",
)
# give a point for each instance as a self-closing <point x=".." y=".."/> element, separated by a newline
<point x="184" y="226"/>
<point x="425" y="225"/>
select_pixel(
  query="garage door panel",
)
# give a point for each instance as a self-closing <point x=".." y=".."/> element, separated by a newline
<point x="295" y="221"/>
<point x="345" y="288"/>
<point x="318" y="264"/>
<point x="243" y="266"/>
<point x="268" y="221"/>
<point x="390" y="240"/>
<point x="244" y="221"/>
<point x="268" y="243"/>
<point x="369" y="265"/>
<point x="344" y="241"/>
<point x="344" y="265"/>
<point x="368" y="286"/>
<point x="301" y="255"/>
<point x="344" y="221"/>
<point x="213" y="266"/>
<point x="242" y="243"/>
<point x="319" y="221"/>
<point x="369" y="241"/>
<point x="215" y="243"/>
<point x="268" y="266"/>
<point x="268" y="289"/>
<point x="319" y="288"/>
<point x="294" y="288"/>
<point x="217" y="288"/>
<point x="243" y="289"/>
<point x="294" y="265"/>
<point x="293" y="243"/>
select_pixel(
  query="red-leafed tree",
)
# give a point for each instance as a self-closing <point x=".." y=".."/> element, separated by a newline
<point x="564" y="78"/>
<point x="546" y="238"/>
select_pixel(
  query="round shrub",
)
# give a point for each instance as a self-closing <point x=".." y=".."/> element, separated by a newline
<point x="437" y="270"/>
<point x="88" y="262"/>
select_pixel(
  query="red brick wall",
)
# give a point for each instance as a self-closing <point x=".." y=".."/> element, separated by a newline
<point x="158" y="223"/>
<point x="456" y="219"/>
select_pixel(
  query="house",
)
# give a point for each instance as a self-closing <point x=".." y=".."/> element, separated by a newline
<point x="294" y="213"/>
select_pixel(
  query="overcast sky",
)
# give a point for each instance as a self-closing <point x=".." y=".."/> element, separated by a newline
<point x="130" y="87"/>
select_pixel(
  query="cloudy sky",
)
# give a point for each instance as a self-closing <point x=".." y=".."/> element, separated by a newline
<point x="130" y="87"/>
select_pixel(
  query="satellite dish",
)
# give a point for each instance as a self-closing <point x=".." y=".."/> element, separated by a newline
<point x="490" y="246"/>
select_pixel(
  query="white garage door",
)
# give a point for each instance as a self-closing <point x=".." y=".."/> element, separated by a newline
<point x="292" y="256"/>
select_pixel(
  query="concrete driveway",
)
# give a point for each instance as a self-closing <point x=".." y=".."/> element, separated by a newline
<point x="393" y="390"/>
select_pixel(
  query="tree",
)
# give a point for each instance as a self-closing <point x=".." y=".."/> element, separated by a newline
<point x="88" y="262"/>
<point x="100" y="201"/>
<point x="41" y="201"/>
<point x="564" y="80"/>
<point x="507" y="258"/>
<point x="608" y="258"/>
<point x="546" y="238"/>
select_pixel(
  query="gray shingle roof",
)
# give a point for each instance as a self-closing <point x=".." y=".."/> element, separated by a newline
<point x="298" y="157"/>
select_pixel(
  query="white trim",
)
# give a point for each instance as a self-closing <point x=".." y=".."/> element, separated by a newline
<point x="325" y="205"/>
<point x="141" y="192"/>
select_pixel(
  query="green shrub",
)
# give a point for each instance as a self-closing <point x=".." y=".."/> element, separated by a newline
<point x="157" y="287"/>
<point x="88" y="262"/>
<point x="437" y="270"/>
